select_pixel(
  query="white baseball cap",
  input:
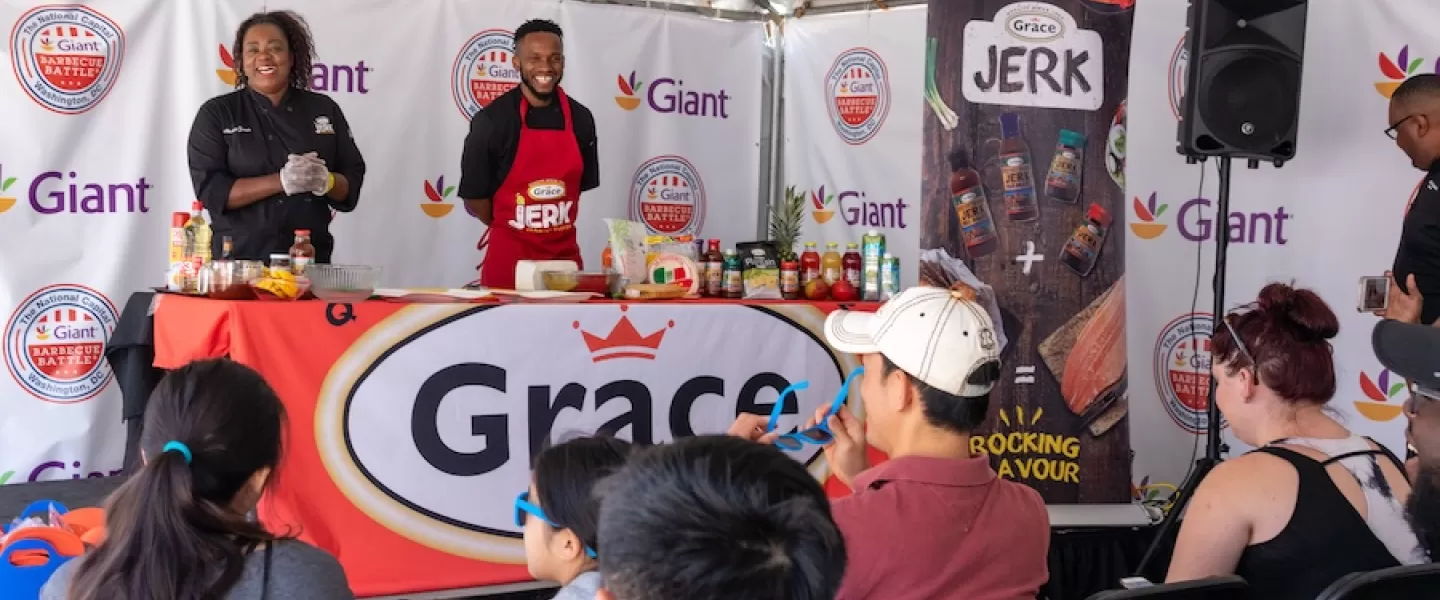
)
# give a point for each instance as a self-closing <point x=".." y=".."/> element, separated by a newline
<point x="937" y="336"/>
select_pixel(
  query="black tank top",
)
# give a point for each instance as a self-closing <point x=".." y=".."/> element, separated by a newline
<point x="1326" y="538"/>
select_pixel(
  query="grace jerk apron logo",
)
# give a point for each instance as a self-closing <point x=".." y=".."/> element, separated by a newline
<point x="543" y="208"/>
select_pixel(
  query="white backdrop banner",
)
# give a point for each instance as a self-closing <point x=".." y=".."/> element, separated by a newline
<point x="853" y="109"/>
<point x="103" y="96"/>
<point x="1323" y="221"/>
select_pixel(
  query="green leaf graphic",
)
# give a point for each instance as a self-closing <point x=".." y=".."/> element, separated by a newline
<point x="1414" y="64"/>
<point x="4" y="477"/>
<point x="6" y="185"/>
<point x="446" y="193"/>
<point x="1395" y="389"/>
<point x="1162" y="209"/>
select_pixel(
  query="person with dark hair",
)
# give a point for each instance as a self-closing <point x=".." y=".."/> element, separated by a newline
<point x="1313" y="502"/>
<point x="1414" y="119"/>
<point x="527" y="158"/>
<point x="717" y="518"/>
<point x="177" y="529"/>
<point x="559" y="512"/>
<point x="273" y="157"/>
<point x="931" y="358"/>
<point x="1413" y="352"/>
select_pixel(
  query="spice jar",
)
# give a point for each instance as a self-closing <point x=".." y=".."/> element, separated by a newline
<point x="1083" y="249"/>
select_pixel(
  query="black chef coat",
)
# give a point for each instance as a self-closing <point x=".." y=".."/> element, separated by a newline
<point x="242" y="134"/>
<point x="495" y="134"/>
<point x="1419" y="251"/>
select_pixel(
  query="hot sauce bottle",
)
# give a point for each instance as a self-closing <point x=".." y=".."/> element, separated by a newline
<point x="1016" y="171"/>
<point x="301" y="253"/>
<point x="977" y="228"/>
<point x="714" y="270"/>
<point x="809" y="264"/>
<point x="851" y="264"/>
<point x="1083" y="249"/>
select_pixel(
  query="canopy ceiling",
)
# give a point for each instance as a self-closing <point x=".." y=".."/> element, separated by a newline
<point x="785" y="7"/>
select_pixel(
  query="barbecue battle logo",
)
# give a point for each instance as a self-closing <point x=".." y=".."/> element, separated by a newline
<point x="483" y="71"/>
<point x="66" y="57"/>
<point x="668" y="196"/>
<point x="1182" y="370"/>
<point x="857" y="93"/>
<point x="55" y="343"/>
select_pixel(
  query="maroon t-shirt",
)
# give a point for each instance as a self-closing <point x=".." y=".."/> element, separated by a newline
<point x="922" y="528"/>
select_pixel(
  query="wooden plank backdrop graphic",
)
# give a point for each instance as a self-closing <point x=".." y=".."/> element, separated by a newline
<point x="1032" y="435"/>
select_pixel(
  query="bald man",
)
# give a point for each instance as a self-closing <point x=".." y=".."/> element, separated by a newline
<point x="1415" y="126"/>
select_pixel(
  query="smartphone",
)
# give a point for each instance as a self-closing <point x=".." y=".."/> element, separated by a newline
<point x="1374" y="294"/>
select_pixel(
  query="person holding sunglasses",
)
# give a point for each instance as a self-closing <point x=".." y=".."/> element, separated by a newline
<point x="934" y="521"/>
<point x="559" y="512"/>
<point x="1414" y="124"/>
<point x="1413" y="352"/>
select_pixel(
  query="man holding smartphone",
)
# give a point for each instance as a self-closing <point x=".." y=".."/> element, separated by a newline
<point x="1414" y="119"/>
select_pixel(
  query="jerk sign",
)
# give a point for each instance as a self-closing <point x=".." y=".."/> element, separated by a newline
<point x="1033" y="54"/>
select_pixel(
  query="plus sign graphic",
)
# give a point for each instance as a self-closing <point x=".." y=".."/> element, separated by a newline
<point x="1029" y="257"/>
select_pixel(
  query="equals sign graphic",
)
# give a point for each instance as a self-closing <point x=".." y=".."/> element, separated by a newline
<point x="1025" y="374"/>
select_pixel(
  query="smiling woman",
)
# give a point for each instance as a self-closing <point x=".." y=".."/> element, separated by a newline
<point x="274" y="157"/>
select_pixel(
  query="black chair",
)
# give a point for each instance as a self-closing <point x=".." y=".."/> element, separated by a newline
<point x="1229" y="587"/>
<point x="1413" y="581"/>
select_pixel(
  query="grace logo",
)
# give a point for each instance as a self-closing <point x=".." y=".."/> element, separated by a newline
<point x="1383" y="400"/>
<point x="418" y="408"/>
<point x="668" y="196"/>
<point x="1397" y="70"/>
<point x="324" y="77"/>
<point x="438" y="197"/>
<point x="858" y="92"/>
<point x="66" y="57"/>
<point x="483" y="71"/>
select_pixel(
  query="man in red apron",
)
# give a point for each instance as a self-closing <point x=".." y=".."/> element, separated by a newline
<point x="529" y="154"/>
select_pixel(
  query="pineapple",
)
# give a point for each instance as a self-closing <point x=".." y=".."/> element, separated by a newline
<point x="785" y="219"/>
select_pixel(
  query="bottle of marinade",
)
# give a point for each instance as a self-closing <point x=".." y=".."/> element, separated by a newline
<point x="1017" y="171"/>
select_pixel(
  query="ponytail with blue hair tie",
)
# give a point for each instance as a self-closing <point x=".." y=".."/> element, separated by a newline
<point x="178" y="447"/>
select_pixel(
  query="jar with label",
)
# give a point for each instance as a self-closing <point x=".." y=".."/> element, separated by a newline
<point x="967" y="194"/>
<point x="1083" y="249"/>
<point x="714" y="270"/>
<point x="790" y="280"/>
<point x="280" y="261"/>
<point x="1063" y="181"/>
<point x="1017" y="173"/>
<point x="734" y="284"/>
<point x="302" y="253"/>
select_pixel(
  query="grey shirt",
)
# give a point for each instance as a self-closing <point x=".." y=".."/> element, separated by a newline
<point x="582" y="587"/>
<point x="298" y="571"/>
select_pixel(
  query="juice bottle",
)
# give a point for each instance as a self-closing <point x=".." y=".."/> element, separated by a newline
<point x="1016" y="171"/>
<point x="872" y="251"/>
<point x="850" y="263"/>
<point x="809" y="265"/>
<point x="889" y="277"/>
<point x="977" y="228"/>
<point x="714" y="270"/>
<point x="302" y="254"/>
<point x="734" y="286"/>
<point x="831" y="265"/>
<point x="1063" y="181"/>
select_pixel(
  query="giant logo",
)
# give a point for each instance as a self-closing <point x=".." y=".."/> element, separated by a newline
<point x="668" y="196"/>
<point x="416" y="410"/>
<point x="857" y="89"/>
<point x="483" y="71"/>
<point x="1182" y="370"/>
<point x="55" y="343"/>
<point x="66" y="57"/>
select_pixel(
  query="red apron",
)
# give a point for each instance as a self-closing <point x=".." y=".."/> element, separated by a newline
<point x="536" y="206"/>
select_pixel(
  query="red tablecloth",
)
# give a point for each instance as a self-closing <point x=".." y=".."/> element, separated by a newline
<point x="402" y="456"/>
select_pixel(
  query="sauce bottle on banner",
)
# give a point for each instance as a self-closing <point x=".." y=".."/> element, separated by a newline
<point x="831" y="265"/>
<point x="977" y="228"/>
<point x="809" y="264"/>
<point x="301" y="253"/>
<point x="1083" y="249"/>
<point x="850" y="262"/>
<point x="1016" y="171"/>
<point x="1063" y="181"/>
<point x="714" y="270"/>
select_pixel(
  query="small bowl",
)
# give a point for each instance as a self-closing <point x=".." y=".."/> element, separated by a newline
<point x="302" y="285"/>
<point x="571" y="281"/>
<point x="342" y="284"/>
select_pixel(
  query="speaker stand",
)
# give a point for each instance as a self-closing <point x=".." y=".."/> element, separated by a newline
<point x="1213" y="447"/>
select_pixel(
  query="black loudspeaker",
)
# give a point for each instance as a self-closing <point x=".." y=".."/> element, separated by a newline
<point x="1242" y="88"/>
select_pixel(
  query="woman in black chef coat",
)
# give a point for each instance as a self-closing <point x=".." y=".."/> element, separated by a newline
<point x="273" y="157"/>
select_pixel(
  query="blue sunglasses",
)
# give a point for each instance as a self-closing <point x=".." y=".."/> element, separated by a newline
<point x="820" y="434"/>
<point x="523" y="506"/>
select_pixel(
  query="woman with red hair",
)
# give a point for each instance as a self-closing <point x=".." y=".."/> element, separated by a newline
<point x="1313" y="502"/>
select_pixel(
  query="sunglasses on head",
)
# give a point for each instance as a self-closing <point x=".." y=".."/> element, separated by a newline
<point x="523" y="506"/>
<point x="820" y="434"/>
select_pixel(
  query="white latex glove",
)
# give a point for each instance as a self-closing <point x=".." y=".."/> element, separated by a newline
<point x="296" y="176"/>
<point x="320" y="178"/>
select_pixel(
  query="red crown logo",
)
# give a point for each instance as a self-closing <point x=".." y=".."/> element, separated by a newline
<point x="624" y="341"/>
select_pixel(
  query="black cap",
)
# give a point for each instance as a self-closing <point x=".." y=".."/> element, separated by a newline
<point x="1410" y="351"/>
<point x="959" y="159"/>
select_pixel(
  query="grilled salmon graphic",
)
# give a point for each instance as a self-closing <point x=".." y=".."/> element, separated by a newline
<point x="1097" y="361"/>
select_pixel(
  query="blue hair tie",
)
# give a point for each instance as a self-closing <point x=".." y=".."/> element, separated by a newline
<point x="178" y="447"/>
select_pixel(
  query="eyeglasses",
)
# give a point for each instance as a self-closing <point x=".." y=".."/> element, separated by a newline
<point x="820" y="434"/>
<point x="1392" y="131"/>
<point x="1239" y="343"/>
<point x="523" y="506"/>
